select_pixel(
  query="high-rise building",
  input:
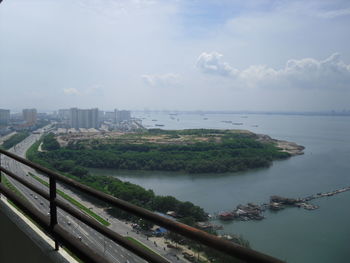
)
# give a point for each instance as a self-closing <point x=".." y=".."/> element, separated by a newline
<point x="4" y="117"/>
<point x="73" y="117"/>
<point x="63" y="114"/>
<point x="84" y="118"/>
<point x="101" y="114"/>
<point x="122" y="115"/>
<point x="30" y="116"/>
<point x="109" y="116"/>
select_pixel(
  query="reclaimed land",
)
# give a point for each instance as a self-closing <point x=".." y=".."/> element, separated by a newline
<point x="192" y="151"/>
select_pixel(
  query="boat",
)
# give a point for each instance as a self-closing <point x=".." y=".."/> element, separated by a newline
<point x="226" y="216"/>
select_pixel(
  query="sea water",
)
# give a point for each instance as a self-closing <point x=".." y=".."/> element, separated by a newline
<point x="293" y="234"/>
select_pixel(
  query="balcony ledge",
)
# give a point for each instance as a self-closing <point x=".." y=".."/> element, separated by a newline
<point x="23" y="241"/>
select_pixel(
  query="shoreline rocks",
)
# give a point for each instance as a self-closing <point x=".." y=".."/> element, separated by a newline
<point x="290" y="147"/>
<point x="253" y="211"/>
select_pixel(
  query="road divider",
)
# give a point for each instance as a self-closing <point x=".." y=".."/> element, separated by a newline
<point x="73" y="201"/>
<point x="139" y="243"/>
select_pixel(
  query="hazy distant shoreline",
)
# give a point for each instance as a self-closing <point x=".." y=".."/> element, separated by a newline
<point x="247" y="112"/>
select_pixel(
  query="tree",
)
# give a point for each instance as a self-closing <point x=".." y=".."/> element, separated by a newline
<point x="145" y="225"/>
<point x="50" y="143"/>
<point x="79" y="171"/>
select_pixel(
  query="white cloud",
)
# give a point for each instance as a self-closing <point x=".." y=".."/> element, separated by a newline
<point x="94" y="90"/>
<point x="331" y="72"/>
<point x="334" y="13"/>
<point x="71" y="91"/>
<point x="212" y="63"/>
<point x="302" y="73"/>
<point x="114" y="42"/>
<point x="165" y="80"/>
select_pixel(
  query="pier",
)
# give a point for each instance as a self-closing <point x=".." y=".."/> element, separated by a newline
<point x="253" y="211"/>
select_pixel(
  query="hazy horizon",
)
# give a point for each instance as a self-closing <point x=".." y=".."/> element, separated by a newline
<point x="339" y="112"/>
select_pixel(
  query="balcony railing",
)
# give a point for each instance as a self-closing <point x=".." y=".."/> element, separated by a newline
<point x="64" y="238"/>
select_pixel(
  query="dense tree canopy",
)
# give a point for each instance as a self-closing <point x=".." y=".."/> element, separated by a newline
<point x="50" y="143"/>
<point x="124" y="190"/>
<point x="234" y="152"/>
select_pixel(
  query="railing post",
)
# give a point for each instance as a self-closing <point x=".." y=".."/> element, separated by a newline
<point x="0" y="166"/>
<point x="53" y="207"/>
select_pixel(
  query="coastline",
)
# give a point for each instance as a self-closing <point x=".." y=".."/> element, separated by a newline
<point x="289" y="147"/>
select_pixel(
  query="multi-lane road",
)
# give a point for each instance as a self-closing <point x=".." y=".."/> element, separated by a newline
<point x="90" y="237"/>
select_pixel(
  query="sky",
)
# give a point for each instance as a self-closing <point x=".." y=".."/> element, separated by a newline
<point x="256" y="55"/>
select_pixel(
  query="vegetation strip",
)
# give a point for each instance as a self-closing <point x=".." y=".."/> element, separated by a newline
<point x="140" y="244"/>
<point x="13" y="188"/>
<point x="73" y="201"/>
<point x="14" y="139"/>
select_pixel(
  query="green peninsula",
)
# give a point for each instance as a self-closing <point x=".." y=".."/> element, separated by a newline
<point x="192" y="151"/>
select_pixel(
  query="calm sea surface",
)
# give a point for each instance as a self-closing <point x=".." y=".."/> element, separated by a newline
<point x="295" y="235"/>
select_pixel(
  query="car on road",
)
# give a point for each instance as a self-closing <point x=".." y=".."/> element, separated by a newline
<point x="36" y="197"/>
<point x="41" y="203"/>
<point x="69" y="223"/>
<point x="79" y="237"/>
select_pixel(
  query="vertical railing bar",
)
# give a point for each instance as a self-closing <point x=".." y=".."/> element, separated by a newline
<point x="0" y="165"/>
<point x="53" y="207"/>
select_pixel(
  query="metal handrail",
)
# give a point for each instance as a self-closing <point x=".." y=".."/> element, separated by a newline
<point x="145" y="254"/>
<point x="212" y="241"/>
<point x="58" y="233"/>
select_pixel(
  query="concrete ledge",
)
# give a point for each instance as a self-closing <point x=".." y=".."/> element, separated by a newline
<point x="22" y="241"/>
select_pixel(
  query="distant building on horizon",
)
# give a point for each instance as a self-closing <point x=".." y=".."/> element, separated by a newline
<point x="4" y="117"/>
<point x="30" y="116"/>
<point x="109" y="116"/>
<point x="84" y="118"/>
<point x="122" y="115"/>
<point x="63" y="114"/>
<point x="101" y="115"/>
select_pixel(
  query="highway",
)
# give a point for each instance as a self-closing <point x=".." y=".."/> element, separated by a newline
<point x="89" y="236"/>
